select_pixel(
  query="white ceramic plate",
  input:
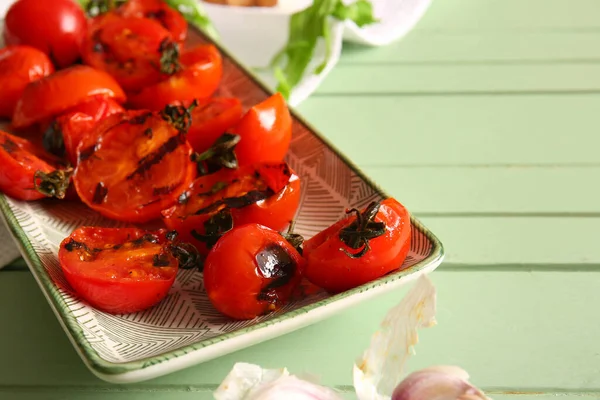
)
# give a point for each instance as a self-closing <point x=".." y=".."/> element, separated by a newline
<point x="184" y="329"/>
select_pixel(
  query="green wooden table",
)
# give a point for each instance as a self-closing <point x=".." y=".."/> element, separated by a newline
<point x="485" y="122"/>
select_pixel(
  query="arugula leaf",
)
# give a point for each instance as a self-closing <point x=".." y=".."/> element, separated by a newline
<point x="306" y="28"/>
<point x="191" y="10"/>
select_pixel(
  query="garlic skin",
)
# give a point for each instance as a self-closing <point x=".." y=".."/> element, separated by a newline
<point x="381" y="367"/>
<point x="251" y="382"/>
<point x="438" y="383"/>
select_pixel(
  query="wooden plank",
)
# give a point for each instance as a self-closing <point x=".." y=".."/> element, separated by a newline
<point x="442" y="78"/>
<point x="448" y="48"/>
<point x="460" y="130"/>
<point x="519" y="330"/>
<point x="511" y="15"/>
<point x="518" y="190"/>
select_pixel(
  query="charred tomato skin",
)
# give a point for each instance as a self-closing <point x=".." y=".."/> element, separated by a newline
<point x="251" y="271"/>
<point x="329" y="267"/>
<point x="118" y="270"/>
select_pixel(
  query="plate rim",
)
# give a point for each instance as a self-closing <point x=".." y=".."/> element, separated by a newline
<point x="195" y="353"/>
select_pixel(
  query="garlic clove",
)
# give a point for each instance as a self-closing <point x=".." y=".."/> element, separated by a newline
<point x="438" y="383"/>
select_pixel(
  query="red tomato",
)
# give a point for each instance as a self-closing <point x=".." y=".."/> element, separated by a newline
<point x="55" y="27"/>
<point x="20" y="162"/>
<point x="158" y="10"/>
<point x="265" y="131"/>
<point x="199" y="77"/>
<point x="118" y="270"/>
<point x="211" y="119"/>
<point x="133" y="165"/>
<point x="65" y="89"/>
<point x="137" y="52"/>
<point x="266" y="194"/>
<point x="19" y="65"/>
<point x="251" y="271"/>
<point x="357" y="250"/>
<point x="66" y="132"/>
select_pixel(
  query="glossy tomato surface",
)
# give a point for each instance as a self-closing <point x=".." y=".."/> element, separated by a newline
<point x="63" y="135"/>
<point x="56" y="27"/>
<point x="19" y="161"/>
<point x="252" y="270"/>
<point x="118" y="270"/>
<point x="133" y="165"/>
<point x="47" y="97"/>
<point x="19" y="65"/>
<point x="199" y="77"/>
<point x="266" y="194"/>
<point x="265" y="131"/>
<point x="329" y="261"/>
<point x="159" y="11"/>
<point x="129" y="49"/>
<point x="211" y="119"/>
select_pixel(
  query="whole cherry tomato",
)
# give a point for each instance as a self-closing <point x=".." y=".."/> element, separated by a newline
<point x="137" y="52"/>
<point x="211" y="119"/>
<point x="19" y="65"/>
<point x="198" y="77"/>
<point x="266" y="194"/>
<point x="119" y="270"/>
<point x="27" y="172"/>
<point x="135" y="164"/>
<point x="55" y="27"/>
<point x="157" y="10"/>
<point x="252" y="270"/>
<point x="265" y="131"/>
<point x="63" y="135"/>
<point x="47" y="97"/>
<point x="359" y="248"/>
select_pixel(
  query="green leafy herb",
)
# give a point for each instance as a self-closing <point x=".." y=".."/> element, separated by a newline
<point x="306" y="28"/>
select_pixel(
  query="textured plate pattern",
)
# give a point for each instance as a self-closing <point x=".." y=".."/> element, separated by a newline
<point x="185" y="320"/>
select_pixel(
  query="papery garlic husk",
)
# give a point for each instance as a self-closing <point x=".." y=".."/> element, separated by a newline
<point x="251" y="382"/>
<point x="381" y="368"/>
<point x="438" y="383"/>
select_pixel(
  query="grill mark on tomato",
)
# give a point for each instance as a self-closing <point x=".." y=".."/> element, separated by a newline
<point x="140" y="119"/>
<point x="100" y="193"/>
<point x="165" y="189"/>
<point x="247" y="199"/>
<point x="145" y="163"/>
<point x="9" y="146"/>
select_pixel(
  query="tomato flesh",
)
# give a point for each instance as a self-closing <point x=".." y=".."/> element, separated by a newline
<point x="265" y="131"/>
<point x="211" y="119"/>
<point x="199" y="77"/>
<point x="331" y="269"/>
<point x="129" y="49"/>
<point x="118" y="270"/>
<point x="266" y="194"/>
<point x="47" y="97"/>
<point x="19" y="65"/>
<point x="159" y="11"/>
<point x="132" y="166"/>
<point x="20" y="159"/>
<point x="252" y="270"/>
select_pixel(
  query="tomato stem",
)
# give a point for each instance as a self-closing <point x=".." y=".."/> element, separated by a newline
<point x="215" y="227"/>
<point x="53" y="184"/>
<point x="295" y="239"/>
<point x="169" y="57"/>
<point x="360" y="231"/>
<point x="220" y="155"/>
<point x="93" y="8"/>
<point x="179" y="116"/>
